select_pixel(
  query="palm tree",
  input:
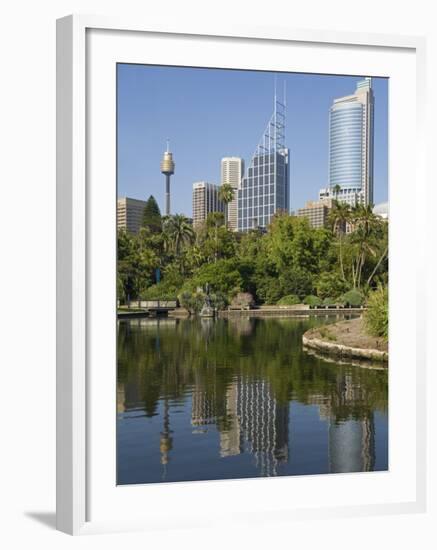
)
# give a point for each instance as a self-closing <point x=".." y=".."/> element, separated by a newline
<point x="366" y="225"/>
<point x="215" y="220"/>
<point x="336" y="190"/>
<point x="364" y="217"/>
<point x="178" y="231"/>
<point x="339" y="217"/>
<point x="226" y="195"/>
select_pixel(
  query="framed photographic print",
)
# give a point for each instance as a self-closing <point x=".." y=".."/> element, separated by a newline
<point x="233" y="275"/>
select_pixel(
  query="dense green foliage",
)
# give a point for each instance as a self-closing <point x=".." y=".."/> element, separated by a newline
<point x="376" y="316"/>
<point x="353" y="298"/>
<point x="226" y="194"/>
<point x="194" y="301"/>
<point x="312" y="301"/>
<point x="289" y="300"/>
<point x="152" y="215"/>
<point x="169" y="258"/>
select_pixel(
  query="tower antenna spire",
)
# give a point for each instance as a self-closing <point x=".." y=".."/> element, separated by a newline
<point x="274" y="90"/>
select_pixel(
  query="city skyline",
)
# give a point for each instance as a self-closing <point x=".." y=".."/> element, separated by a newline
<point x="138" y="166"/>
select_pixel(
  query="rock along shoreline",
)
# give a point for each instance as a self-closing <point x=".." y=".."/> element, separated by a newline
<point x="346" y="339"/>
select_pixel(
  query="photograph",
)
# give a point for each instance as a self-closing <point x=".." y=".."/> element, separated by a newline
<point x="252" y="274"/>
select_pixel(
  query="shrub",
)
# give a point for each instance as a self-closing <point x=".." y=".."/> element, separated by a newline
<point x="330" y="301"/>
<point x="268" y="290"/>
<point x="289" y="300"/>
<point x="160" y="291"/>
<point x="353" y="298"/>
<point x="376" y="316"/>
<point x="121" y="296"/>
<point x="192" y="301"/>
<point x="219" y="300"/>
<point x="312" y="301"/>
<point x="330" y="284"/>
<point x="294" y="281"/>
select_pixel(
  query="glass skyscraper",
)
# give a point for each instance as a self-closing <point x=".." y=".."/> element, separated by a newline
<point x="265" y="188"/>
<point x="351" y="146"/>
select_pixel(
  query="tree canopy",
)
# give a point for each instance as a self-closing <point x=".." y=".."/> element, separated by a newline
<point x="152" y="216"/>
<point x="290" y="258"/>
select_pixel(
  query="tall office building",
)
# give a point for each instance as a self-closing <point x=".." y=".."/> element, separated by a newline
<point x="130" y="214"/>
<point x="232" y="170"/>
<point x="317" y="212"/>
<point x="205" y="200"/>
<point x="351" y="146"/>
<point x="265" y="188"/>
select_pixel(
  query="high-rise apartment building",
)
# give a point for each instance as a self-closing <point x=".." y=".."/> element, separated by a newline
<point x="317" y="212"/>
<point x="205" y="200"/>
<point x="351" y="146"/>
<point x="265" y="187"/>
<point x="130" y="214"/>
<point x="232" y="170"/>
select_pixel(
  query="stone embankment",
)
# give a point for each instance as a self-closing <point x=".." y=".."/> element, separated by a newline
<point x="290" y="311"/>
<point x="346" y="339"/>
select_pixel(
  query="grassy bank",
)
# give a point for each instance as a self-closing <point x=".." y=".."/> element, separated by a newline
<point x="347" y="339"/>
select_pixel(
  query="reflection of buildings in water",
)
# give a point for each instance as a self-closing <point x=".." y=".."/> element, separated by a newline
<point x="263" y="424"/>
<point x="203" y="406"/>
<point x="165" y="440"/>
<point x="352" y="445"/>
<point x="351" y="442"/>
<point x="230" y="437"/>
<point x="250" y="417"/>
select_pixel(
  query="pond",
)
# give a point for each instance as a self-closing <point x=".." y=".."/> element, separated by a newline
<point x="201" y="399"/>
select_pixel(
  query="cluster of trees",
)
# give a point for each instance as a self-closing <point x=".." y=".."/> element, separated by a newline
<point x="289" y="263"/>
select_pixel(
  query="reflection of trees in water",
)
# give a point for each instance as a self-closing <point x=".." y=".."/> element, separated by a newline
<point x="241" y="375"/>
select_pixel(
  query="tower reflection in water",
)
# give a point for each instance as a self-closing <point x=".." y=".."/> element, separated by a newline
<point x="253" y="422"/>
<point x="351" y="441"/>
<point x="216" y="395"/>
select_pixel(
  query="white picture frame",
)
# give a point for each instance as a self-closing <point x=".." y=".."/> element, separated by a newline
<point x="76" y="311"/>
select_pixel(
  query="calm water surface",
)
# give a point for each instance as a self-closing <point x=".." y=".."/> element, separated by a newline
<point x="219" y="399"/>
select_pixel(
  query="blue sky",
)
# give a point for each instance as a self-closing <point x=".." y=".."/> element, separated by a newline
<point x="211" y="113"/>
